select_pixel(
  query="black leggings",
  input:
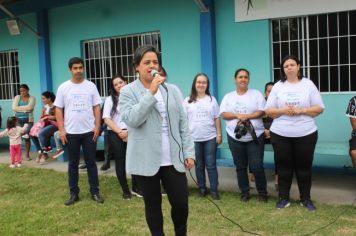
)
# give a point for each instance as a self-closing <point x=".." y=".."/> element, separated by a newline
<point x="118" y="150"/>
<point x="294" y="155"/>
<point x="175" y="184"/>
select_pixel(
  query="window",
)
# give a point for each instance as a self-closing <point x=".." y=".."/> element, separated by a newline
<point x="107" y="57"/>
<point x="9" y="74"/>
<point x="324" y="44"/>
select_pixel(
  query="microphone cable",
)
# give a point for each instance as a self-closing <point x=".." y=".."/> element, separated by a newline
<point x="180" y="159"/>
<point x="331" y="222"/>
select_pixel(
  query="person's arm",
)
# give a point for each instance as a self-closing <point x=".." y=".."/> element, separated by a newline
<point x="218" y="130"/>
<point x="60" y="123"/>
<point x="27" y="108"/>
<point x="23" y="129"/>
<point x="353" y="123"/>
<point x="3" y="133"/>
<point x="274" y="112"/>
<point x="312" y="111"/>
<point x="97" y="115"/>
<point x="242" y="117"/>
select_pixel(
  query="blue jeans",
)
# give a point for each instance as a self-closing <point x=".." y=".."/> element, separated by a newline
<point x="249" y="154"/>
<point x="205" y="155"/>
<point x="75" y="141"/>
<point x="44" y="136"/>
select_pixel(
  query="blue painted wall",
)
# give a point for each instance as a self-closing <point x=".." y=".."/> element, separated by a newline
<point x="26" y="44"/>
<point x="177" y="21"/>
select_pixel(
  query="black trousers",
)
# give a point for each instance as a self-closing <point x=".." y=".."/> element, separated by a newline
<point x="175" y="184"/>
<point x="117" y="149"/>
<point x="294" y="155"/>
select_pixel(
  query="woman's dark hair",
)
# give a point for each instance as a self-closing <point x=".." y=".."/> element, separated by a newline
<point x="50" y="95"/>
<point x="241" y="69"/>
<point x="24" y="86"/>
<point x="163" y="71"/>
<point x="11" y="122"/>
<point x="193" y="93"/>
<point x="268" y="84"/>
<point x="141" y="51"/>
<point x="283" y="74"/>
<point x="75" y="60"/>
<point x="114" y="94"/>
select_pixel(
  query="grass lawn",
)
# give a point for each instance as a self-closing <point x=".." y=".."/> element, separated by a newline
<point x="31" y="203"/>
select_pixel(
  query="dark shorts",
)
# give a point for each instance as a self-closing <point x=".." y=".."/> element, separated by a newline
<point x="352" y="143"/>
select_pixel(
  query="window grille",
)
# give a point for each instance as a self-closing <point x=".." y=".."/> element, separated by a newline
<point x="9" y="74"/>
<point x="107" y="57"/>
<point x="324" y="45"/>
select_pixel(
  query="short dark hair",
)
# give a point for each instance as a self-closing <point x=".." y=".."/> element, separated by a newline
<point x="75" y="60"/>
<point x="268" y="84"/>
<point x="25" y="86"/>
<point x="141" y="51"/>
<point x="241" y="69"/>
<point x="283" y="74"/>
<point x="164" y="72"/>
<point x="11" y="122"/>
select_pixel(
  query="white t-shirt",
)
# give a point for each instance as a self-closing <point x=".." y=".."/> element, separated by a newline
<point x="201" y="117"/>
<point x="78" y="101"/>
<point x="116" y="118"/>
<point x="247" y="103"/>
<point x="166" y="147"/>
<point x="302" y="94"/>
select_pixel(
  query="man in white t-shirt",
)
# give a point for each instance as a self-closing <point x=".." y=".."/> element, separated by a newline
<point x="78" y="117"/>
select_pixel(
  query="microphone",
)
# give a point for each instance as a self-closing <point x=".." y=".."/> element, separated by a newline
<point x="154" y="73"/>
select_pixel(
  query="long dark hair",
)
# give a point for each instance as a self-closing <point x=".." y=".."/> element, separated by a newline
<point x="11" y="122"/>
<point x="193" y="93"/>
<point x="283" y="74"/>
<point x="50" y="95"/>
<point x="114" y="95"/>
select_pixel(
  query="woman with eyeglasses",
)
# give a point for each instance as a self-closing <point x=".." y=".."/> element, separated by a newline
<point x="204" y="123"/>
<point x="22" y="106"/>
<point x="293" y="103"/>
<point x="243" y="110"/>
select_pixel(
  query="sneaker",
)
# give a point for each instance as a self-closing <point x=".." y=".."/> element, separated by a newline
<point x="163" y="192"/>
<point x="25" y="136"/>
<point x="245" y="197"/>
<point x="203" y="192"/>
<point x="82" y="166"/>
<point x="38" y="158"/>
<point x="58" y="153"/>
<point x="137" y="193"/>
<point x="126" y="196"/>
<point x="215" y="196"/>
<point x="105" y="166"/>
<point x="12" y="166"/>
<point x="282" y="203"/>
<point x="43" y="159"/>
<point x="308" y="204"/>
<point x="18" y="165"/>
<point x="263" y="197"/>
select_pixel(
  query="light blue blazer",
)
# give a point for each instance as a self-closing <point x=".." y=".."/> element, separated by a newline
<point x="144" y="121"/>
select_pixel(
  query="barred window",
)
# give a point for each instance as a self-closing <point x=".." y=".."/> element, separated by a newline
<point x="107" y="57"/>
<point x="9" y="74"/>
<point x="324" y="44"/>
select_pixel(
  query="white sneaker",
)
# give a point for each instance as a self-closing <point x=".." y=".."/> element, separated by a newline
<point x="12" y="166"/>
<point x="19" y="165"/>
<point x="25" y="136"/>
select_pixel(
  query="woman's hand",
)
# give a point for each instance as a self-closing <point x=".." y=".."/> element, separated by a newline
<point x="123" y="134"/>
<point x="156" y="82"/>
<point x="189" y="163"/>
<point x="218" y="139"/>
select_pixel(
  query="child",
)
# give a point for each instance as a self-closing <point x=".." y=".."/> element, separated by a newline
<point x="14" y="133"/>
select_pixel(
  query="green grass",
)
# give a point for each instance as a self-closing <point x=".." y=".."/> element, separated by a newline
<point x="31" y="203"/>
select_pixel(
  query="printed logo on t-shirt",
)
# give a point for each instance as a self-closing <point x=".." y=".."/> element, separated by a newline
<point x="202" y="113"/>
<point x="80" y="103"/>
<point x="293" y="99"/>
<point x="240" y="108"/>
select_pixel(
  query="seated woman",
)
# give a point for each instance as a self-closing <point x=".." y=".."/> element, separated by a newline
<point x="42" y="142"/>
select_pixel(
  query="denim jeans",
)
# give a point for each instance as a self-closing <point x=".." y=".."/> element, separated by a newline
<point x="75" y="141"/>
<point x="205" y="155"/>
<point x="44" y="136"/>
<point x="249" y="154"/>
